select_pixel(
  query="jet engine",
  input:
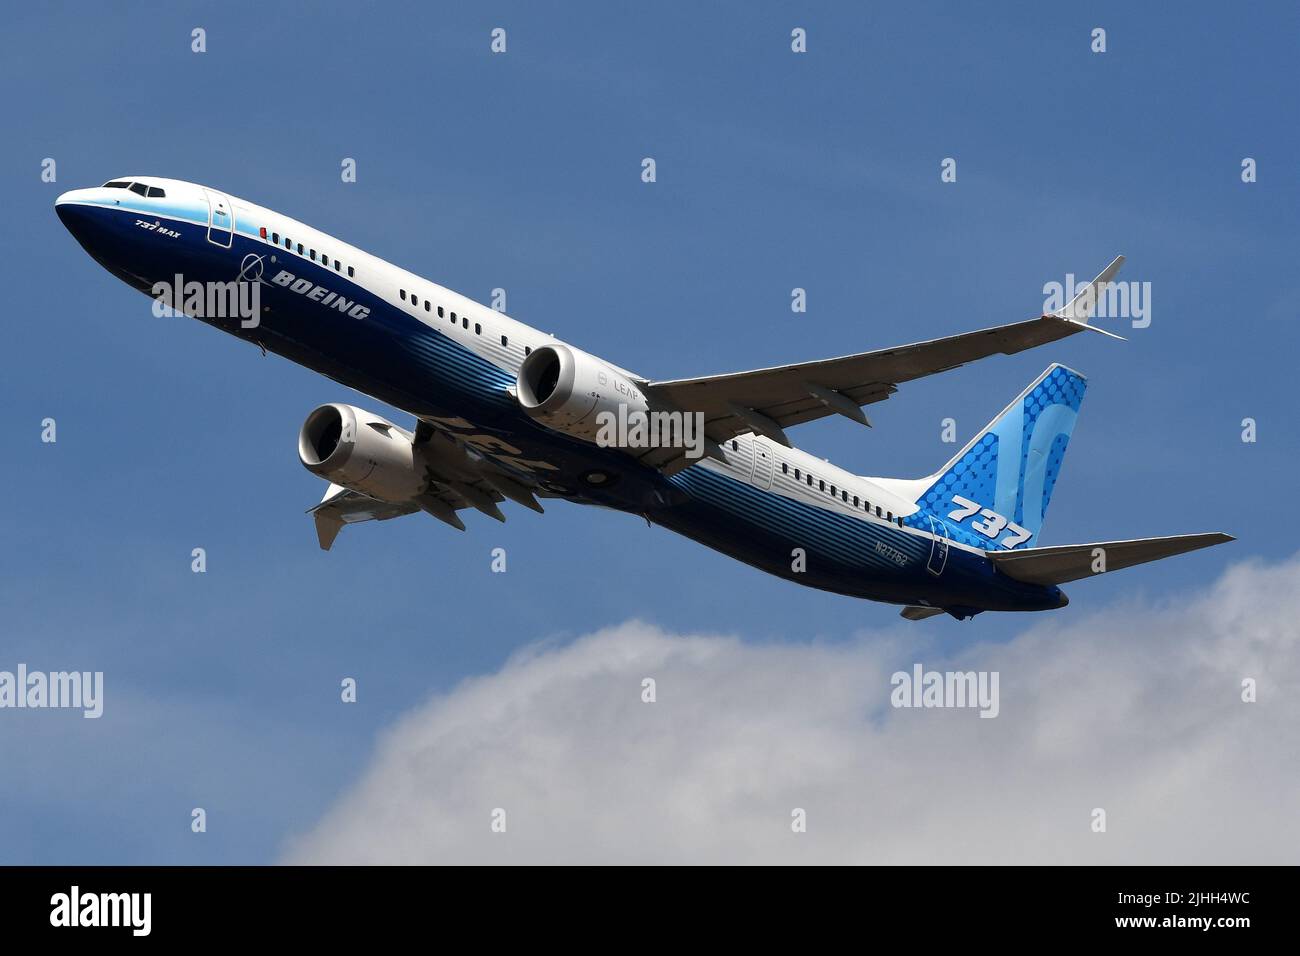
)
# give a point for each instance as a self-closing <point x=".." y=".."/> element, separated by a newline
<point x="361" y="451"/>
<point x="567" y="389"/>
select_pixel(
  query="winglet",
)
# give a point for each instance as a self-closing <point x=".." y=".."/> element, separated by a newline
<point x="1081" y="307"/>
<point x="917" y="613"/>
<point x="1093" y="328"/>
<point x="328" y="527"/>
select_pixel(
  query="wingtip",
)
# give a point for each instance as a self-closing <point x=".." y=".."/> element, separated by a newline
<point x="327" y="530"/>
<point x="1084" y="326"/>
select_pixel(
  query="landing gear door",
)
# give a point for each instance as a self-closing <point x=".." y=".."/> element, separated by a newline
<point x="221" y="219"/>
<point x="938" y="547"/>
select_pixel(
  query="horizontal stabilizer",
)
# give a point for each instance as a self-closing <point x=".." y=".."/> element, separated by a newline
<point x="1071" y="562"/>
<point x="916" y="613"/>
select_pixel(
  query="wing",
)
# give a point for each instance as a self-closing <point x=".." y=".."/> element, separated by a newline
<point x="916" y="613"/>
<point x="457" y="479"/>
<point x="341" y="506"/>
<point x="769" y="400"/>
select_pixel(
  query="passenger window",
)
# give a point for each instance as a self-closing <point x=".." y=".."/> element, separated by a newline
<point x="427" y="306"/>
<point x="832" y="491"/>
<point x="844" y="495"/>
<point x="810" y="481"/>
<point x="855" y="501"/>
<point x="528" y="349"/>
<point x="337" y="265"/>
<point x="300" y="248"/>
<point x="275" y="238"/>
<point x="878" y="511"/>
<point x="890" y="515"/>
<point x="735" y="445"/>
<point x="785" y="469"/>
<point x="464" y="321"/>
<point x="821" y="483"/>
<point x="313" y="254"/>
<point x="349" y="272"/>
<point x="287" y="242"/>
<point x="504" y="341"/>
<point x="140" y="188"/>
<point x="478" y="329"/>
<point x="440" y="312"/>
<point x="402" y="293"/>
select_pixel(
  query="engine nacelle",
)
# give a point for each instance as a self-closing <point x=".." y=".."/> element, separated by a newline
<point x="566" y="389"/>
<point x="361" y="451"/>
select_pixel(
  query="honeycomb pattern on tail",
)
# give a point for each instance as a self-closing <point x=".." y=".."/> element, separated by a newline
<point x="1011" y="467"/>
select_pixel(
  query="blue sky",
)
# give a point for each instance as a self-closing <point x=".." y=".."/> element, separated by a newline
<point x="521" y="171"/>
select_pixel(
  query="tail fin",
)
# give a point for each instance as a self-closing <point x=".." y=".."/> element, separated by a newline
<point x="1000" y="484"/>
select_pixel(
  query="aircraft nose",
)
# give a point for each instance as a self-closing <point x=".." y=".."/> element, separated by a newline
<point x="70" y="210"/>
<point x="84" y="215"/>
<point x="72" y="196"/>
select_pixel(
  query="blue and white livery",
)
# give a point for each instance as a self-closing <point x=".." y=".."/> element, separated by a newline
<point x="504" y="413"/>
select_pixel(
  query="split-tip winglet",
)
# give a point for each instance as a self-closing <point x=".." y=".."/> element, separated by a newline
<point x="1080" y="309"/>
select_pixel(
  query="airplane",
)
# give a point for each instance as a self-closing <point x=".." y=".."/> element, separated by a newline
<point x="504" y="412"/>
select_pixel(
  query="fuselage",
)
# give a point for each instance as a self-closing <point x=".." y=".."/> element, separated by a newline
<point x="453" y="363"/>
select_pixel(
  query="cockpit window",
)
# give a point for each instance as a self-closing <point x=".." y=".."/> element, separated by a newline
<point x="117" y="184"/>
<point x="157" y="193"/>
<point x="140" y="188"/>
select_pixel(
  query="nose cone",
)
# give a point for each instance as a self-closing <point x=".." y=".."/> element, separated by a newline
<point x="72" y="209"/>
<point x="73" y="196"/>
<point x="92" y="219"/>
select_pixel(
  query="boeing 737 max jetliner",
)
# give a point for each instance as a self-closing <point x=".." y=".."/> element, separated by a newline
<point x="504" y="412"/>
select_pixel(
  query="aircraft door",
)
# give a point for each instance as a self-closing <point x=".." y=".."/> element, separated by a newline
<point x="762" y="466"/>
<point x="938" y="547"/>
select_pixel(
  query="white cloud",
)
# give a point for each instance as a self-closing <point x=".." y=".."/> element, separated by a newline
<point x="1134" y="709"/>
